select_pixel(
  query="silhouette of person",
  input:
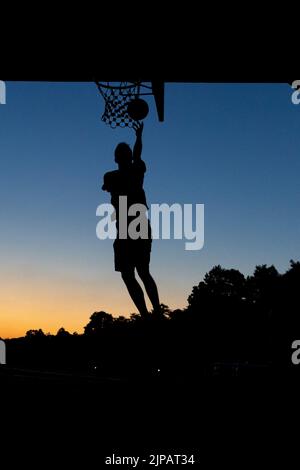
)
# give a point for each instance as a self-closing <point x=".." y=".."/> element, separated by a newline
<point x="129" y="253"/>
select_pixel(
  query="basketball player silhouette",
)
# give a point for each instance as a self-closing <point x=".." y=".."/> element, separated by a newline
<point x="132" y="254"/>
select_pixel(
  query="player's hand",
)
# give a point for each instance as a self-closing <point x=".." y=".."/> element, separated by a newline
<point x="138" y="127"/>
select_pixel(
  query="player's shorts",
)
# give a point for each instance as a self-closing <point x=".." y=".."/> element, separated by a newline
<point x="130" y="254"/>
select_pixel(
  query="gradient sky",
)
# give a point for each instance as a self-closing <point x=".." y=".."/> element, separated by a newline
<point x="233" y="147"/>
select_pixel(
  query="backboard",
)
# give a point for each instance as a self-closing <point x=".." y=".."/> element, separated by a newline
<point x="158" y="90"/>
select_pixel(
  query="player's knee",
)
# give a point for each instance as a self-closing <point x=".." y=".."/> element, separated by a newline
<point x="143" y="272"/>
<point x="127" y="276"/>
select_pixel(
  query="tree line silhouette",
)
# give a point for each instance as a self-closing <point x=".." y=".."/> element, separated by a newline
<point x="231" y="320"/>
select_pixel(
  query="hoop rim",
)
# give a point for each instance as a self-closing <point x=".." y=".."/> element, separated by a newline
<point x="117" y="87"/>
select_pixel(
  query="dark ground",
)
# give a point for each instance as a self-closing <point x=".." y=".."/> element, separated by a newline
<point x="68" y="419"/>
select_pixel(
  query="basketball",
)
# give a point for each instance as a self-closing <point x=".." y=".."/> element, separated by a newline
<point x="137" y="109"/>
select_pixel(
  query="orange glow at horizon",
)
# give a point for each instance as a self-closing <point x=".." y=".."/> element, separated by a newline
<point x="50" y="304"/>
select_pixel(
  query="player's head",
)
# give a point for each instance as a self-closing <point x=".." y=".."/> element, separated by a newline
<point x="123" y="154"/>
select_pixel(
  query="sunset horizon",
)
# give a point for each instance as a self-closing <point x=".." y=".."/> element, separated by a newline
<point x="231" y="147"/>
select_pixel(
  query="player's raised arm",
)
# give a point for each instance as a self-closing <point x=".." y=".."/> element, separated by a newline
<point x="138" y="146"/>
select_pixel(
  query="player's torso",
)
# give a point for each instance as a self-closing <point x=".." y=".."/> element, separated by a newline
<point x="127" y="183"/>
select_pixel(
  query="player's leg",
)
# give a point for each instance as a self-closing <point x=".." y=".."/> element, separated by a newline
<point x="135" y="291"/>
<point x="150" y="285"/>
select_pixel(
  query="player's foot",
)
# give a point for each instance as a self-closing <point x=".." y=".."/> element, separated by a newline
<point x="145" y="316"/>
<point x="157" y="314"/>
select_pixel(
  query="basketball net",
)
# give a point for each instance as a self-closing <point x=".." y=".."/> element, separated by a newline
<point x="116" y="98"/>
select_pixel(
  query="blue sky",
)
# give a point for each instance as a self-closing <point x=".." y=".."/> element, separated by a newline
<point x="233" y="147"/>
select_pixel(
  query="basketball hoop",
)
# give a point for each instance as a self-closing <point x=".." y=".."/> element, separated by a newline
<point x="117" y="97"/>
